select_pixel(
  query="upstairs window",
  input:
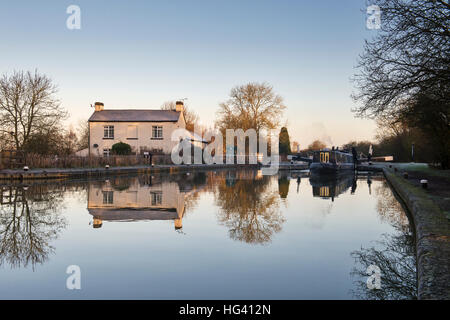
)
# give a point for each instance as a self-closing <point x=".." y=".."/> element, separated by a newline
<point x="132" y="132"/>
<point x="132" y="197"/>
<point x="108" y="197"/>
<point x="108" y="132"/>
<point x="156" y="198"/>
<point x="157" y="132"/>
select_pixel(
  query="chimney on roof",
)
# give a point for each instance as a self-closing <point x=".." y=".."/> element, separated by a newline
<point x="99" y="106"/>
<point x="179" y="106"/>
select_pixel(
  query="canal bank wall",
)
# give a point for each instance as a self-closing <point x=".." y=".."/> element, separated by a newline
<point x="96" y="172"/>
<point x="432" y="228"/>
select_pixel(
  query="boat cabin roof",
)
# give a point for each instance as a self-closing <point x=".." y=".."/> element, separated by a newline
<point x="329" y="150"/>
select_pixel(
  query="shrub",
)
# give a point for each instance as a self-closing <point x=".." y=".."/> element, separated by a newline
<point x="121" y="148"/>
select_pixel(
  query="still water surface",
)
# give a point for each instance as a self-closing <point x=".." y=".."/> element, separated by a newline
<point x="207" y="235"/>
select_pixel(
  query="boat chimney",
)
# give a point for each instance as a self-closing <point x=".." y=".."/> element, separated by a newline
<point x="99" y="106"/>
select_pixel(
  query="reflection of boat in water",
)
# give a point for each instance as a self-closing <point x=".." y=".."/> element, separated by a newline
<point x="331" y="186"/>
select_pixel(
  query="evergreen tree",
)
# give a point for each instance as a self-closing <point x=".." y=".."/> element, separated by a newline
<point x="284" y="143"/>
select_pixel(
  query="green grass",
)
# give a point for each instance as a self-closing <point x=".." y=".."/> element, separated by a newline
<point x="427" y="201"/>
<point x="423" y="167"/>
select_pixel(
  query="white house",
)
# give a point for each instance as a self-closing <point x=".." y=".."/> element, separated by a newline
<point x="143" y="130"/>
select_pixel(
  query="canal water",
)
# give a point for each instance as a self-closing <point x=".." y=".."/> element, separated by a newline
<point x="206" y="235"/>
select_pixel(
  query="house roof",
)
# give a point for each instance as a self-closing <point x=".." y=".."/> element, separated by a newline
<point x="134" y="214"/>
<point x="129" y="115"/>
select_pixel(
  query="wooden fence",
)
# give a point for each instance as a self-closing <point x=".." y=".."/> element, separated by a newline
<point x="12" y="159"/>
<point x="34" y="161"/>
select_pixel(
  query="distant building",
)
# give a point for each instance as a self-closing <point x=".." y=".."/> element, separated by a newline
<point x="143" y="130"/>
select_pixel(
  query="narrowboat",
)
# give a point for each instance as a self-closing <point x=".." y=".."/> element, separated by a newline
<point x="332" y="161"/>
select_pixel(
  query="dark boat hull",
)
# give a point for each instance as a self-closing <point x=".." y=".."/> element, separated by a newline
<point x="327" y="168"/>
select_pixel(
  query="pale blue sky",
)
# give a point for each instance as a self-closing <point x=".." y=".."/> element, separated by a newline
<point x="138" y="54"/>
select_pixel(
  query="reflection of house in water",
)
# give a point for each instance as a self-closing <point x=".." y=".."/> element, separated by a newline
<point x="331" y="186"/>
<point x="132" y="200"/>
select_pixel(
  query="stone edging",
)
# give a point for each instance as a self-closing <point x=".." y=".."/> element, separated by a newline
<point x="432" y="239"/>
<point x="95" y="172"/>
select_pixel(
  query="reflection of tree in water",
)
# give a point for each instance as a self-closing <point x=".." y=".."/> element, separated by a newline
<point x="249" y="210"/>
<point x="283" y="186"/>
<point x="397" y="263"/>
<point x="389" y="208"/>
<point x="394" y="254"/>
<point x="29" y="221"/>
<point x="194" y="183"/>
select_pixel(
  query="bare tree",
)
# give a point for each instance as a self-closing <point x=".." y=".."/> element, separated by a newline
<point x="190" y="116"/>
<point x="28" y="106"/>
<point x="83" y="134"/>
<point x="410" y="54"/>
<point x="253" y="105"/>
<point x="295" y="146"/>
<point x="69" y="142"/>
<point x="316" y="145"/>
<point x="404" y="79"/>
<point x="48" y="141"/>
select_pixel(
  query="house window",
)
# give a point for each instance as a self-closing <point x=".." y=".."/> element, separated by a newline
<point x="108" y="132"/>
<point x="108" y="197"/>
<point x="132" y="197"/>
<point x="106" y="152"/>
<point x="132" y="133"/>
<point x="157" y="132"/>
<point x="156" y="198"/>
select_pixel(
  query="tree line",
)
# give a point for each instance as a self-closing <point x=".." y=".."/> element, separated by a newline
<point x="403" y="78"/>
<point x="397" y="143"/>
<point x="32" y="120"/>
